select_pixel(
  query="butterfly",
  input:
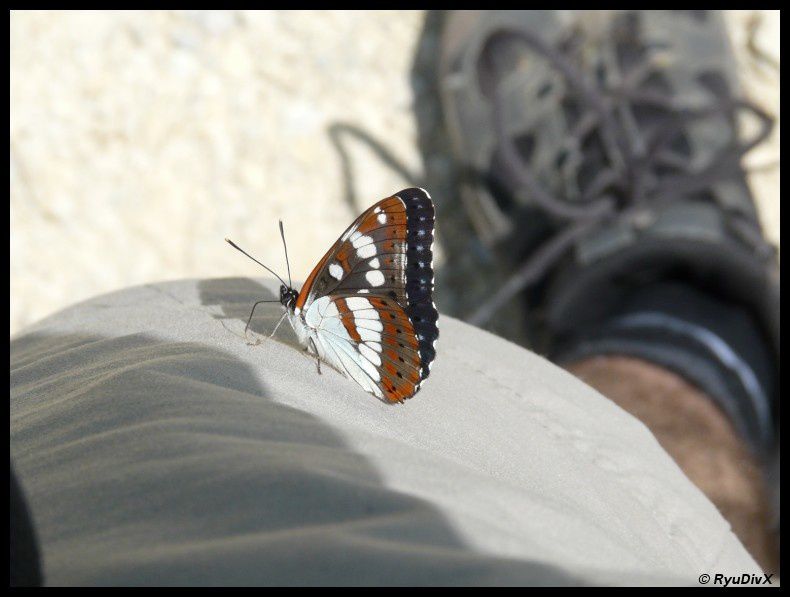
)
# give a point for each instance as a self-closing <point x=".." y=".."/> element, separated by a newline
<point x="367" y="307"/>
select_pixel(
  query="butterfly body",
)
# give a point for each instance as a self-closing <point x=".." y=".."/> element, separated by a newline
<point x="366" y="309"/>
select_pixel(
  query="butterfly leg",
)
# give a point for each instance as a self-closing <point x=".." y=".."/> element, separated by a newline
<point x="317" y="360"/>
<point x="249" y="320"/>
<point x="274" y="331"/>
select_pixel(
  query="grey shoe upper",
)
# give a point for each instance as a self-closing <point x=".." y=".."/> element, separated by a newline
<point x="619" y="132"/>
<point x="647" y="70"/>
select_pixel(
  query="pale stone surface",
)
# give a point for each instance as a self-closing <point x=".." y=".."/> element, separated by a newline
<point x="755" y="36"/>
<point x="139" y="140"/>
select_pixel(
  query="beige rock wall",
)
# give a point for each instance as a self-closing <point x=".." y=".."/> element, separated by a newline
<point x="139" y="140"/>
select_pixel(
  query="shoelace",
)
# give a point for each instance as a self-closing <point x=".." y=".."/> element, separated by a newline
<point x="632" y="156"/>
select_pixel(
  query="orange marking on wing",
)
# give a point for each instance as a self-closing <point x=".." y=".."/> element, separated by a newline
<point x="342" y="259"/>
<point x="300" y="300"/>
<point x="343" y="256"/>
<point x="399" y="347"/>
<point x="348" y="322"/>
<point x="390" y="204"/>
<point x="408" y="366"/>
<point x="397" y="391"/>
<point x="390" y="353"/>
<point x="395" y="321"/>
<point x="396" y="220"/>
<point x="404" y="338"/>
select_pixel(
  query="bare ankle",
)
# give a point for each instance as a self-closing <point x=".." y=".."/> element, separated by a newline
<point x="698" y="436"/>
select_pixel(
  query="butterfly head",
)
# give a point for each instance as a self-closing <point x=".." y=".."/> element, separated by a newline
<point x="288" y="297"/>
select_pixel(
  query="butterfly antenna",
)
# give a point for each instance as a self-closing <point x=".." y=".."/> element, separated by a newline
<point x="235" y="246"/>
<point x="285" y="246"/>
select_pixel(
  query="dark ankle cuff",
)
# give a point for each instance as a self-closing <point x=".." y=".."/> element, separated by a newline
<point x="714" y="345"/>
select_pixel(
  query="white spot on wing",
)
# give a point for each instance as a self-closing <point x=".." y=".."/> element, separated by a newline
<point x="382" y="218"/>
<point x="368" y="324"/>
<point x="365" y="313"/>
<point x="367" y="334"/>
<point x="370" y="355"/>
<point x="347" y="234"/>
<point x="331" y="310"/>
<point x="355" y="302"/>
<point x="368" y="367"/>
<point x="375" y="278"/>
<point x="366" y="251"/>
<point x="354" y="366"/>
<point x="335" y="271"/>
<point x="359" y="240"/>
<point x="374" y="263"/>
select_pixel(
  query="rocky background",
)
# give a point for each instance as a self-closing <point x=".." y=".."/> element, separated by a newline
<point x="139" y="140"/>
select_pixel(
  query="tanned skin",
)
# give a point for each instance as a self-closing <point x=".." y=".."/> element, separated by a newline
<point x="699" y="437"/>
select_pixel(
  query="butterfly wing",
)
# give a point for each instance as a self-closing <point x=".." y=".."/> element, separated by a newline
<point x="385" y="257"/>
<point x="378" y="234"/>
<point x="372" y="340"/>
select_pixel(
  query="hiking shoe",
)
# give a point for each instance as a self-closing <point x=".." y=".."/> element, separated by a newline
<point x="602" y="154"/>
